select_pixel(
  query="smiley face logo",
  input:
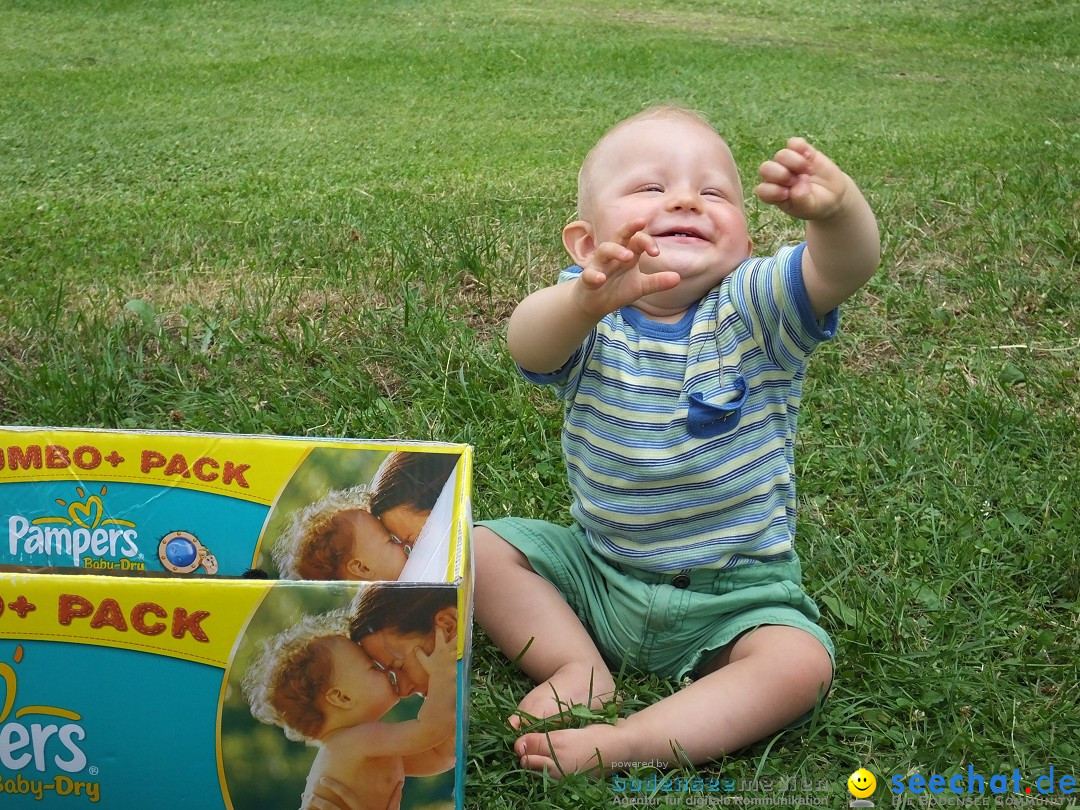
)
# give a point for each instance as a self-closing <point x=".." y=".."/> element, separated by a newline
<point x="861" y="784"/>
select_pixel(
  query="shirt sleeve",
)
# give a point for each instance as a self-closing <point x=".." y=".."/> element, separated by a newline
<point x="564" y="380"/>
<point x="770" y="295"/>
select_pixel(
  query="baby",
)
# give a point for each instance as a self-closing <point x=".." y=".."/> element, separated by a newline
<point x="322" y="689"/>
<point x="337" y="537"/>
<point x="680" y="360"/>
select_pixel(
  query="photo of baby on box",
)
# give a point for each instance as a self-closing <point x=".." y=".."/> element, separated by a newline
<point x="373" y="531"/>
<point x="370" y="690"/>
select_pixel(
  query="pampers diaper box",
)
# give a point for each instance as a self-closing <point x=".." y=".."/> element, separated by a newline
<point x="216" y="621"/>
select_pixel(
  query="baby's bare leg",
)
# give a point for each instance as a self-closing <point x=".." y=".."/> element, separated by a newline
<point x="767" y="679"/>
<point x="518" y="608"/>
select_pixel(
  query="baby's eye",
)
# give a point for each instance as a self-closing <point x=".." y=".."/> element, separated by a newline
<point x="649" y="187"/>
<point x="712" y="192"/>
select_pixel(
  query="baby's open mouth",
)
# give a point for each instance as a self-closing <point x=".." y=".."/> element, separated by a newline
<point x="680" y="233"/>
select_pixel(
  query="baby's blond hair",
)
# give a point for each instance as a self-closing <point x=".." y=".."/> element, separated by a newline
<point x="313" y="546"/>
<point x="290" y="674"/>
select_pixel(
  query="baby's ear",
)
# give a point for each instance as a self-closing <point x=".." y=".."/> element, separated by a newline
<point x="357" y="570"/>
<point x="577" y="238"/>
<point x="335" y="697"/>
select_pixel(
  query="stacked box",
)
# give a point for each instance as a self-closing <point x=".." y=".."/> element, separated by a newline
<point x="202" y="621"/>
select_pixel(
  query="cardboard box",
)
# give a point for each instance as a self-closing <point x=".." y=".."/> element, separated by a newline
<point x="155" y="653"/>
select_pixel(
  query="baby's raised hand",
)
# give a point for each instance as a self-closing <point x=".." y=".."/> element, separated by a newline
<point x="443" y="659"/>
<point x="611" y="278"/>
<point x="802" y="182"/>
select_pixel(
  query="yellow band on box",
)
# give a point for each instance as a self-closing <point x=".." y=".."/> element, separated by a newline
<point x="197" y="620"/>
<point x="233" y="466"/>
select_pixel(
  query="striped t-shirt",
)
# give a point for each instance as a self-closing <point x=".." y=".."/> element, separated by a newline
<point x="679" y="438"/>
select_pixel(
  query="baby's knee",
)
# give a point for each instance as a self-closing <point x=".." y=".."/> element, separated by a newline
<point x="820" y="665"/>
<point x="815" y="664"/>
<point x="799" y="654"/>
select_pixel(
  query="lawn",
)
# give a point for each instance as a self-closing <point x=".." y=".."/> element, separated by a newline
<point x="313" y="218"/>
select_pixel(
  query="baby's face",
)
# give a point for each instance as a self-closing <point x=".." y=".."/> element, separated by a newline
<point x="376" y="553"/>
<point x="356" y="677"/>
<point x="680" y="178"/>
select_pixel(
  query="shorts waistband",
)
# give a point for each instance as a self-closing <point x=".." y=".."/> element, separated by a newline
<point x="705" y="579"/>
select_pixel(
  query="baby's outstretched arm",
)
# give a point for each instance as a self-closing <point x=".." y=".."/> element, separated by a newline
<point x="843" y="247"/>
<point x="551" y="323"/>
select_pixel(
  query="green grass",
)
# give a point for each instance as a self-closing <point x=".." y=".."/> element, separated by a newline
<point x="313" y="218"/>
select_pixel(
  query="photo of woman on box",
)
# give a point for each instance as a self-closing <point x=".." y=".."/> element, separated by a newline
<point x="406" y="489"/>
<point x="396" y="627"/>
<point x="370" y="532"/>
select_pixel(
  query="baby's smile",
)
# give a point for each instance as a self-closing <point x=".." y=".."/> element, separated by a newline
<point x="680" y="233"/>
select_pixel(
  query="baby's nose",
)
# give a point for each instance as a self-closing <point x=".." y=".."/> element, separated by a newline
<point x="684" y="199"/>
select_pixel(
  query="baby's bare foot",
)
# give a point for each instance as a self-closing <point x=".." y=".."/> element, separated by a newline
<point x="572" y="685"/>
<point x="590" y="750"/>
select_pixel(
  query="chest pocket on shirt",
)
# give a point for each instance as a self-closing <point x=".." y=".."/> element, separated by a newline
<point x="705" y="419"/>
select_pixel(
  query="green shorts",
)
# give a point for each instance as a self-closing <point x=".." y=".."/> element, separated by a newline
<point x="666" y="623"/>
